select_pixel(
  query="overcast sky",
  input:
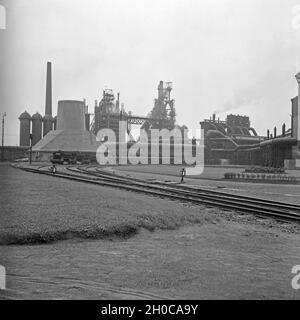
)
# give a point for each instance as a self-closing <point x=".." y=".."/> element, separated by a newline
<point x="230" y="56"/>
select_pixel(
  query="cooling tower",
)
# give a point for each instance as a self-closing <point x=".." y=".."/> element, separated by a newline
<point x="70" y="134"/>
<point x="71" y="115"/>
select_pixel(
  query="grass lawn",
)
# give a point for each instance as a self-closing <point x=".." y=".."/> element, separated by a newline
<point x="42" y="209"/>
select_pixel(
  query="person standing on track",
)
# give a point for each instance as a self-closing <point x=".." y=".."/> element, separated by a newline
<point x="53" y="169"/>
<point x="183" y="174"/>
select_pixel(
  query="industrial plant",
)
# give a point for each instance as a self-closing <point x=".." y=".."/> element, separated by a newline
<point x="74" y="129"/>
<point x="233" y="141"/>
<point x="150" y="152"/>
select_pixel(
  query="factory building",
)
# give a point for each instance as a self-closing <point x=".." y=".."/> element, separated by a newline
<point x="223" y="138"/>
<point x="11" y="153"/>
<point x="108" y="113"/>
<point x="282" y="150"/>
<point x="235" y="142"/>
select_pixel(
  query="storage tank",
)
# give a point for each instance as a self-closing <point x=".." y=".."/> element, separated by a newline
<point x="71" y="115"/>
<point x="47" y="124"/>
<point x="37" y="122"/>
<point x="25" y="120"/>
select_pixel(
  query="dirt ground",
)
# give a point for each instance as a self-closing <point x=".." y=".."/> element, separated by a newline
<point x="213" y="261"/>
<point x="219" y="255"/>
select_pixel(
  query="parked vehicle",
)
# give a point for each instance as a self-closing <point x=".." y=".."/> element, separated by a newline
<point x="62" y="157"/>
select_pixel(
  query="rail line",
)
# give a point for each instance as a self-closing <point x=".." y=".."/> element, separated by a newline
<point x="259" y="207"/>
<point x="189" y="189"/>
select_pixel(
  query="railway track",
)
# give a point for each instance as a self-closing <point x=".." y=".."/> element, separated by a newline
<point x="259" y="207"/>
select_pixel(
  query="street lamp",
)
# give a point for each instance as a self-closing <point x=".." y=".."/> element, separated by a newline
<point x="2" y="153"/>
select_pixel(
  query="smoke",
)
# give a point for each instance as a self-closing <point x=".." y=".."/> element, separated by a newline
<point x="264" y="86"/>
<point x="244" y="97"/>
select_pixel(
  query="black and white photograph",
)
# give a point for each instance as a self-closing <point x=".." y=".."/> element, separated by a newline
<point x="150" y="151"/>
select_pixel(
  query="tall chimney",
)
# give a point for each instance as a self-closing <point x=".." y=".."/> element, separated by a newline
<point x="48" y="108"/>
<point x="118" y="103"/>
<point x="283" y="129"/>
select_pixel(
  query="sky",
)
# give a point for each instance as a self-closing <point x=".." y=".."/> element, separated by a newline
<point x="224" y="56"/>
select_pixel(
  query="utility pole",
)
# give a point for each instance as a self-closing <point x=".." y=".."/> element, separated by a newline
<point x="30" y="150"/>
<point x="2" y="153"/>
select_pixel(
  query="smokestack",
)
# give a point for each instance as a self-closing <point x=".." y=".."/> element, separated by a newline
<point x="118" y="103"/>
<point x="214" y="117"/>
<point x="48" y="108"/>
<point x="283" y="129"/>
